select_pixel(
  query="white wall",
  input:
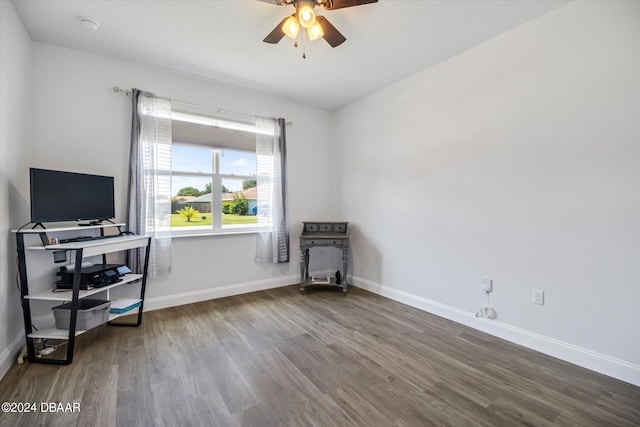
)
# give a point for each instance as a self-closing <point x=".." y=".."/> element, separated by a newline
<point x="15" y="97"/>
<point x="518" y="160"/>
<point x="82" y="125"/>
<point x="522" y="155"/>
<point x="63" y="101"/>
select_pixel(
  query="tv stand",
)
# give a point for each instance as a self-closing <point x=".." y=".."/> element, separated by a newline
<point x="81" y="249"/>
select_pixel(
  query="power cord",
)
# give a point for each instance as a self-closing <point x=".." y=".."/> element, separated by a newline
<point x="18" y="277"/>
<point x="46" y="350"/>
<point x="19" y="229"/>
<point x="487" y="311"/>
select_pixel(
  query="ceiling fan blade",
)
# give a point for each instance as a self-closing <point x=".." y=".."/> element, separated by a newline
<point x="341" y="4"/>
<point x="276" y="2"/>
<point x="277" y="34"/>
<point x="331" y="34"/>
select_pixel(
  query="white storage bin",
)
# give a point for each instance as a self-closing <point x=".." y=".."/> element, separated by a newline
<point x="91" y="313"/>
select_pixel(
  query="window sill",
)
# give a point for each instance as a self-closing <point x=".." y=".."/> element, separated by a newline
<point x="215" y="233"/>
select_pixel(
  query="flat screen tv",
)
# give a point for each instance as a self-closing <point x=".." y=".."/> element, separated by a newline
<point x="58" y="196"/>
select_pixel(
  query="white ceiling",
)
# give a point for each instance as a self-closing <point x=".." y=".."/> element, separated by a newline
<point x="222" y="39"/>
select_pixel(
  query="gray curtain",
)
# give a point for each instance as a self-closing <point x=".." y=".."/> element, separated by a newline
<point x="282" y="124"/>
<point x="284" y="244"/>
<point x="149" y="204"/>
<point x="271" y="154"/>
<point x="134" y="256"/>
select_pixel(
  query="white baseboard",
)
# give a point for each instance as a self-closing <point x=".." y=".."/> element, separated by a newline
<point x="592" y="360"/>
<point x="607" y="365"/>
<point x="157" y="303"/>
<point x="9" y="355"/>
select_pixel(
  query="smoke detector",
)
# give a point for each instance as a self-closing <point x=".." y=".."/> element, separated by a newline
<point x="90" y="24"/>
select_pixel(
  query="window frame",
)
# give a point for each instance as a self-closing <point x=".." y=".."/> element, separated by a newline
<point x="216" y="177"/>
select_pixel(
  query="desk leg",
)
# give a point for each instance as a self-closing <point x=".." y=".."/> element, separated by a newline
<point x="304" y="267"/>
<point x="345" y="261"/>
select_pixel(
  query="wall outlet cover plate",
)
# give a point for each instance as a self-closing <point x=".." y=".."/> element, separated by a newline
<point x="538" y="296"/>
<point x="487" y="284"/>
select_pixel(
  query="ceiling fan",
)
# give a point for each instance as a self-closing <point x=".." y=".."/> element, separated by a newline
<point x="316" y="25"/>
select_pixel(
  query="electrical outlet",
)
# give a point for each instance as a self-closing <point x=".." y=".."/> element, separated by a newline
<point x="487" y="284"/>
<point x="538" y="296"/>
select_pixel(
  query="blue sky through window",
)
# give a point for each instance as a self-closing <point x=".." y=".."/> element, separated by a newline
<point x="199" y="159"/>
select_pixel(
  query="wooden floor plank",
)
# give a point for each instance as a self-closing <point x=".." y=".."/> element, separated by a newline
<point x="280" y="358"/>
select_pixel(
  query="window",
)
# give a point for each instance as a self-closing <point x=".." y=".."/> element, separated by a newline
<point x="213" y="178"/>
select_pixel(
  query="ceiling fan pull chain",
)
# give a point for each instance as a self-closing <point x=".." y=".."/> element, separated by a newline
<point x="304" y="45"/>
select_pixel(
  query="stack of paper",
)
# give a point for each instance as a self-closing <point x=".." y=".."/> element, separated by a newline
<point x="122" y="305"/>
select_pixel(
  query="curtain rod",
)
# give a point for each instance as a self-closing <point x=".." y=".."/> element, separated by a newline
<point x="117" y="89"/>
<point x="128" y="92"/>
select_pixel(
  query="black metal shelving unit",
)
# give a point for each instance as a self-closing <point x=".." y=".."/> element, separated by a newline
<point x="80" y="250"/>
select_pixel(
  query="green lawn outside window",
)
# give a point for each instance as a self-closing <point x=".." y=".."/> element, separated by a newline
<point x="178" y="220"/>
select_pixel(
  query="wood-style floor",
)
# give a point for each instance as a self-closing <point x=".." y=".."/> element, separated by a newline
<point x="277" y="357"/>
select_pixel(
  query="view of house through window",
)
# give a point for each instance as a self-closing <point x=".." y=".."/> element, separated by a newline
<point x="212" y="189"/>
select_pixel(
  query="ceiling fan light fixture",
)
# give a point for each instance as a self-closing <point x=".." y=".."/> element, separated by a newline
<point x="291" y="27"/>
<point x="317" y="26"/>
<point x="306" y="16"/>
<point x="315" y="32"/>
